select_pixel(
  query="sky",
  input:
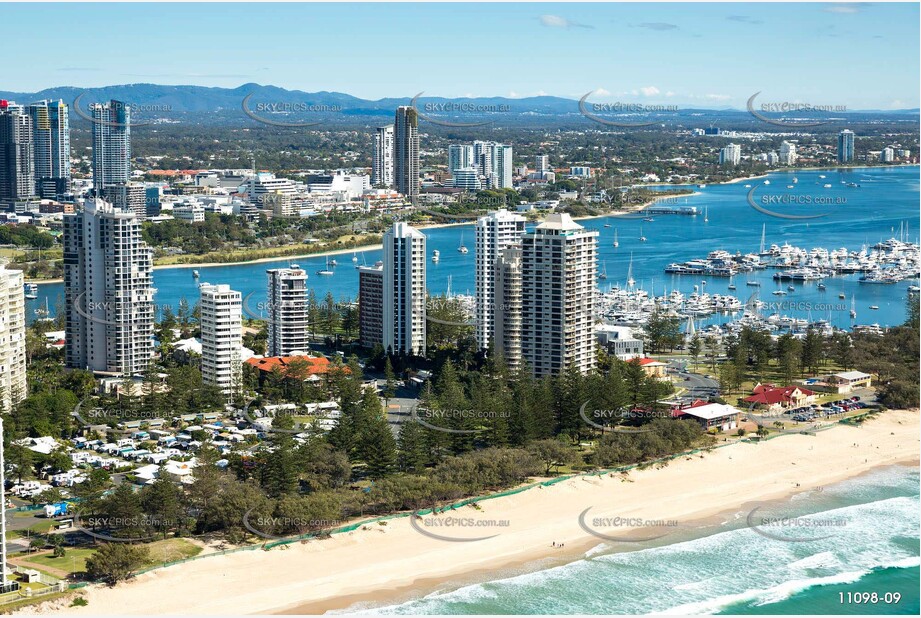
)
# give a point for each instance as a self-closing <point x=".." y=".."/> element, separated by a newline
<point x="716" y="55"/>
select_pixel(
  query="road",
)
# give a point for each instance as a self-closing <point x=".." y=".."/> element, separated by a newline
<point x="697" y="386"/>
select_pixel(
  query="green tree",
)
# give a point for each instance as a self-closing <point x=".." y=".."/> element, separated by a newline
<point x="114" y="562"/>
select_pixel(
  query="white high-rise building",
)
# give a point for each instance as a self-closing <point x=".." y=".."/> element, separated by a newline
<point x="287" y="297"/>
<point x="404" y="323"/>
<point x="460" y="156"/>
<point x="787" y="153"/>
<point x="558" y="281"/>
<point x="502" y="166"/>
<point x="506" y="340"/>
<point x="466" y="178"/>
<point x="221" y="337"/>
<point x="495" y="232"/>
<point x="731" y="154"/>
<point x="541" y="164"/>
<point x="111" y="143"/>
<point x="108" y="291"/>
<point x="887" y="155"/>
<point x="382" y="157"/>
<point x="12" y="338"/>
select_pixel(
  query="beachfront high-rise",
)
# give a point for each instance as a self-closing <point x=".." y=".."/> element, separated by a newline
<point x="51" y="128"/>
<point x="494" y="233"/>
<point x="506" y="337"/>
<point x="371" y="305"/>
<point x="287" y="304"/>
<point x="127" y="196"/>
<point x="108" y="291"/>
<point x="404" y="294"/>
<point x="406" y="152"/>
<point x="558" y="281"/>
<point x="382" y="157"/>
<point x="12" y="338"/>
<point x="17" y="173"/>
<point x="845" y="146"/>
<point x="111" y="143"/>
<point x="730" y="154"/>
<point x="221" y="337"/>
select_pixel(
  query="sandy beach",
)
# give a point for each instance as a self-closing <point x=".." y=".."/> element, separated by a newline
<point x="380" y="563"/>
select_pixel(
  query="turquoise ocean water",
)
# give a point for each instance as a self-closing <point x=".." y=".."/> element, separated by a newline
<point x="729" y="568"/>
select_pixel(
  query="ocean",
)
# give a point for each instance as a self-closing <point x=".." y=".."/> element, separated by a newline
<point x="731" y="568"/>
<point x="886" y="199"/>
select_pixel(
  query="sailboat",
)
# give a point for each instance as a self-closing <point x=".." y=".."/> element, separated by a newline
<point x="604" y="271"/>
<point x="706" y="213"/>
<point x="616" y="244"/>
<point x="732" y="285"/>
<point x="853" y="307"/>
<point x="642" y="238"/>
<point x="630" y="280"/>
<point x="325" y="271"/>
<point x="436" y="255"/>
<point x="43" y="312"/>
<point x="354" y="258"/>
<point x="461" y="248"/>
<point x="763" y="229"/>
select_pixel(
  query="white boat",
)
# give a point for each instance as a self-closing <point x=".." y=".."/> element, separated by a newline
<point x="436" y="255"/>
<point x="754" y="284"/>
<point x="333" y="263"/>
<point x="701" y="186"/>
<point x="461" y="248"/>
<point x="642" y="238"/>
<point x="779" y="293"/>
<point x="767" y="182"/>
<point x="706" y="213"/>
<point x="326" y="271"/>
<point x="748" y="186"/>
<point x="853" y="308"/>
<point x="789" y="186"/>
<point x="795" y="180"/>
<point x="604" y="271"/>
<point x="354" y="258"/>
<point x="826" y="186"/>
<point x="31" y="291"/>
<point x="821" y="175"/>
<point x="616" y="244"/>
<point x="874" y="307"/>
<point x="43" y="312"/>
<point x="195" y="274"/>
<point x="607" y="225"/>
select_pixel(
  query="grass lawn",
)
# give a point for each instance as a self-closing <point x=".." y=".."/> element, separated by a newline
<point x="73" y="559"/>
<point x="170" y="550"/>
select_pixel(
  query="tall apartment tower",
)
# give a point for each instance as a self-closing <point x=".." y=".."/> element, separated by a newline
<point x="502" y="166"/>
<point x="371" y="305"/>
<point x="111" y="144"/>
<point x="787" y="153"/>
<point x="287" y="298"/>
<point x="730" y="154"/>
<point x="51" y="128"/>
<point x="382" y="158"/>
<point x="845" y="146"/>
<point x="221" y="337"/>
<point x="404" y="319"/>
<point x="108" y="291"/>
<point x="507" y="322"/>
<point x="17" y="155"/>
<point x="495" y="232"/>
<point x="558" y="280"/>
<point x="460" y="156"/>
<point x="12" y="339"/>
<point x="406" y="152"/>
<point x="128" y="197"/>
<point x="542" y="164"/>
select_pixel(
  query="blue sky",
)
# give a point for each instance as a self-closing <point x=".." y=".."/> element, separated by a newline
<point x="861" y="55"/>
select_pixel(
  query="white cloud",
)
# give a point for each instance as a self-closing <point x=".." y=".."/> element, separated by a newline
<point x="601" y="92"/>
<point x="555" y="21"/>
<point x="649" y="91"/>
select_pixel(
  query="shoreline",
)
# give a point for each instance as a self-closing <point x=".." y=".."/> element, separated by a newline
<point x="359" y="566"/>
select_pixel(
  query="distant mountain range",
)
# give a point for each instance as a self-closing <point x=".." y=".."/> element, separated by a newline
<point x="157" y="101"/>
